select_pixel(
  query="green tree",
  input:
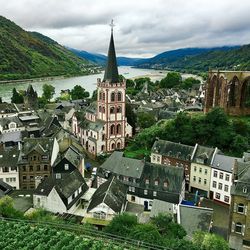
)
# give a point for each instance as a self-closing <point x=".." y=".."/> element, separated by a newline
<point x="122" y="224"/>
<point x="207" y="241"/>
<point x="189" y="82"/>
<point x="78" y="92"/>
<point x="173" y="79"/>
<point x="16" y="96"/>
<point x="94" y="96"/>
<point x="7" y="208"/>
<point x="131" y="117"/>
<point x="48" y="92"/>
<point x="130" y="83"/>
<point x="42" y="102"/>
<point x="145" y="120"/>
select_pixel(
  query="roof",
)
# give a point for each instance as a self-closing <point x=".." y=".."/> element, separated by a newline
<point x="7" y="108"/>
<point x="111" y="71"/>
<point x="203" y="155"/>
<point x="9" y="157"/>
<point x="95" y="126"/>
<point x="161" y="207"/>
<point x="195" y="218"/>
<point x="112" y="192"/>
<point x="4" y="188"/>
<point x="15" y="136"/>
<point x="120" y="165"/>
<point x="223" y="162"/>
<point x="172" y="149"/>
<point x="28" y="118"/>
<point x="7" y="120"/>
<point x="65" y="186"/>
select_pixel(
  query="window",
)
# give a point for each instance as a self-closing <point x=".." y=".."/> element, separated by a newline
<point x="24" y="168"/>
<point x="217" y="196"/>
<point x="214" y="184"/>
<point x="112" y="97"/>
<point x="24" y="177"/>
<point x="119" y="96"/>
<point x="100" y="95"/>
<point x="125" y="178"/>
<point x="34" y="157"/>
<point x="118" y="129"/>
<point x="227" y="177"/>
<point x="44" y="157"/>
<point x="158" y="158"/>
<point x="145" y="191"/>
<point x="238" y="228"/>
<point x="205" y="171"/>
<point x="147" y="181"/>
<point x="112" y="129"/>
<point x="200" y="170"/>
<point x="195" y="168"/>
<point x="194" y="178"/>
<point x="31" y="168"/>
<point x="133" y="189"/>
<point x="103" y="96"/>
<point x="154" y="193"/>
<point x="220" y="186"/>
<point x="244" y="190"/>
<point x="129" y="188"/>
<point x="221" y="175"/>
<point x="5" y="169"/>
<point x="226" y="188"/>
<point x="240" y="208"/>
<point x="66" y="166"/>
<point x="119" y="109"/>
<point x="112" y="110"/>
<point x="38" y="168"/>
<point x="45" y="168"/>
<point x="215" y="174"/>
<point x="226" y="198"/>
<point x="156" y="182"/>
<point x="165" y="184"/>
<point x="199" y="180"/>
<point x="32" y="178"/>
<point x="205" y="181"/>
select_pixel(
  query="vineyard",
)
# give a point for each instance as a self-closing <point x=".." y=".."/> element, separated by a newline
<point x="19" y="235"/>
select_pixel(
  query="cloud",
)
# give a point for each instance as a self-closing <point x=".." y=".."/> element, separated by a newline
<point x="143" y="28"/>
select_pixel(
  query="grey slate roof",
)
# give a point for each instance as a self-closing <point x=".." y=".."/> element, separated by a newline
<point x="111" y="71"/>
<point x="7" y="108"/>
<point x="112" y="192"/>
<point x="65" y="186"/>
<point x="12" y="136"/>
<point x="203" y="155"/>
<point x="195" y="218"/>
<point x="95" y="126"/>
<point x="9" y="157"/>
<point x="172" y="149"/>
<point x="120" y="165"/>
<point x="7" y="120"/>
<point x="4" y="188"/>
<point x="224" y="163"/>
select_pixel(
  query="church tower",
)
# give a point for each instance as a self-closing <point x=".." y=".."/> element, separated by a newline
<point x="111" y="102"/>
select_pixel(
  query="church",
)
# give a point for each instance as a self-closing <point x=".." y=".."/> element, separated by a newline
<point x="104" y="127"/>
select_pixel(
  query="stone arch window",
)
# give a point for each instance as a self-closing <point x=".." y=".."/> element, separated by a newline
<point x="118" y="129"/>
<point x="112" y="129"/>
<point x="100" y="95"/>
<point x="103" y="109"/>
<point x="112" y="110"/>
<point x="245" y="94"/>
<point x="211" y="86"/>
<point x="102" y="148"/>
<point x="113" y="146"/>
<point x="100" y="108"/>
<point x="232" y="92"/>
<point x="119" y="109"/>
<point x="217" y="94"/>
<point x="119" y="96"/>
<point x="118" y="145"/>
<point x="112" y="96"/>
<point x="103" y="96"/>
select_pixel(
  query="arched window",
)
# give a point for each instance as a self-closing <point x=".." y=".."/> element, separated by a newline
<point x="112" y="146"/>
<point x="119" y="109"/>
<point x="103" y="109"/>
<point x="102" y="148"/>
<point x="103" y="96"/>
<point x="245" y="94"/>
<point x="112" y="129"/>
<point x="118" y="145"/>
<point x="119" y="96"/>
<point x="118" y="129"/>
<point x="233" y="91"/>
<point x="100" y="108"/>
<point x="112" y="110"/>
<point x="100" y="95"/>
<point x="112" y="96"/>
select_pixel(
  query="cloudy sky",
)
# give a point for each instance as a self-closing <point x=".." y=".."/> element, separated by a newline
<point x="143" y="27"/>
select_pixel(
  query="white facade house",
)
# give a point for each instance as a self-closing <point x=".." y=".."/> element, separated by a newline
<point x="221" y="178"/>
<point x="11" y="124"/>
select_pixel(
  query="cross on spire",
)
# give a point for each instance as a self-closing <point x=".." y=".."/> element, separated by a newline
<point x="112" y="25"/>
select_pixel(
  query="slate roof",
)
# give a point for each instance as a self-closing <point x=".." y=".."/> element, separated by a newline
<point x="111" y="71"/>
<point x="4" y="188"/>
<point x="15" y="136"/>
<point x="172" y="149"/>
<point x="7" y="108"/>
<point x="224" y="163"/>
<point x="95" y="126"/>
<point x="203" y="155"/>
<point x="9" y="157"/>
<point x="120" y="165"/>
<point x="7" y="120"/>
<point x="195" y="218"/>
<point x="65" y="186"/>
<point x="112" y="192"/>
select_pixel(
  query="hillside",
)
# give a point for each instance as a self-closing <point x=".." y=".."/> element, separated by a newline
<point x="30" y="54"/>
<point x="101" y="59"/>
<point x="196" y="60"/>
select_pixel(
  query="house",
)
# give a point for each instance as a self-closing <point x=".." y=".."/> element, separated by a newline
<point x="10" y="124"/>
<point x="104" y="126"/>
<point x="8" y="166"/>
<point x="108" y="200"/>
<point x="239" y="219"/>
<point x="221" y="178"/>
<point x="7" y="110"/>
<point x="200" y="172"/>
<point x="35" y="159"/>
<point x="60" y="193"/>
<point x="174" y="154"/>
<point x="146" y="181"/>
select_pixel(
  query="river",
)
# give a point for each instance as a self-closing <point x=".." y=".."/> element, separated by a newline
<point x="88" y="82"/>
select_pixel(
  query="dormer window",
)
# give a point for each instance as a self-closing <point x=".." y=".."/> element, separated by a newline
<point x="244" y="190"/>
<point x="165" y="184"/>
<point x="156" y="182"/>
<point x="147" y="181"/>
<point x="66" y="166"/>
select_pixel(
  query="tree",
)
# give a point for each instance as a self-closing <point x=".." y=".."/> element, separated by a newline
<point x="131" y="117"/>
<point x="94" y="95"/>
<point x="122" y="224"/>
<point x="189" y="82"/>
<point x="78" y="92"/>
<point x="16" y="96"/>
<point x="48" y="92"/>
<point x="130" y="83"/>
<point x="145" y="120"/>
<point x="173" y="79"/>
<point x="7" y="208"/>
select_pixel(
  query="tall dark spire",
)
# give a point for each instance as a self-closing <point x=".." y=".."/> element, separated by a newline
<point x="111" y="71"/>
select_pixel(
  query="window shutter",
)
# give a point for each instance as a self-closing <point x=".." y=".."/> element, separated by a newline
<point x="235" y="207"/>
<point x="233" y="227"/>
<point x="245" y="210"/>
<point x="243" y="230"/>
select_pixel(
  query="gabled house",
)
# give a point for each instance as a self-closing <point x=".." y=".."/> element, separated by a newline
<point x="60" y="193"/>
<point x="221" y="178"/>
<point x="108" y="200"/>
<point x="10" y="124"/>
<point x="174" y="154"/>
<point x="200" y="171"/>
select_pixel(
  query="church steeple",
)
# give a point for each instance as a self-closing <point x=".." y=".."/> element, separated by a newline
<point x="111" y="71"/>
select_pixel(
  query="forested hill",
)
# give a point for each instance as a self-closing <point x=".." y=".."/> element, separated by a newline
<point x="198" y="60"/>
<point x="30" y="54"/>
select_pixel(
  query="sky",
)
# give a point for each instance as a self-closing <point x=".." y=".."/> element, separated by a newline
<point x="143" y="28"/>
